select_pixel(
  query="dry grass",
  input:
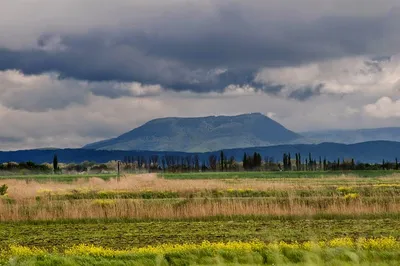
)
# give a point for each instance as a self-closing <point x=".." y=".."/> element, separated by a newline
<point x="26" y="207"/>
<point x="142" y="209"/>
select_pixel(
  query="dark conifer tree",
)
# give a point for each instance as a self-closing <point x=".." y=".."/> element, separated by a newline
<point x="222" y="161"/>
<point x="55" y="163"/>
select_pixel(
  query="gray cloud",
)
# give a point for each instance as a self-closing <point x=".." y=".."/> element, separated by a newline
<point x="102" y="117"/>
<point x="39" y="93"/>
<point x="179" y="53"/>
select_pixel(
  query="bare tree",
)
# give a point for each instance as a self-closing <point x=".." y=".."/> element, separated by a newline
<point x="212" y="160"/>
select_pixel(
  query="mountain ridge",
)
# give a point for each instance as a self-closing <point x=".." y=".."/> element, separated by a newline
<point x="349" y="136"/>
<point x="201" y="134"/>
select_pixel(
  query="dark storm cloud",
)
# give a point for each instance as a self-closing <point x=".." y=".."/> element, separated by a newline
<point x="182" y="55"/>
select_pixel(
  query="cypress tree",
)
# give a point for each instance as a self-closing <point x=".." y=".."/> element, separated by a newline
<point x="55" y="163"/>
<point x="222" y="161"/>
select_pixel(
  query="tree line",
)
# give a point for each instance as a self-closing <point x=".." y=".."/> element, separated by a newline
<point x="250" y="162"/>
<point x="214" y="162"/>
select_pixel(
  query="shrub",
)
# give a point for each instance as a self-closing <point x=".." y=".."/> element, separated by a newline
<point x="3" y="190"/>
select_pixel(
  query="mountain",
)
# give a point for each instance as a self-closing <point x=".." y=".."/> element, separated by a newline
<point x="200" y="134"/>
<point x="353" y="136"/>
<point x="368" y="152"/>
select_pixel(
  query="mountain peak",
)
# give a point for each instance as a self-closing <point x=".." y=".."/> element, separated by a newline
<point x="200" y="134"/>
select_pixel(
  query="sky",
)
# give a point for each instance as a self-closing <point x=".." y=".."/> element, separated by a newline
<point x="77" y="71"/>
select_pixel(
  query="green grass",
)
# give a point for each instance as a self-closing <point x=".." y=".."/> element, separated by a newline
<point x="271" y="175"/>
<point x="121" y="234"/>
<point x="58" y="178"/>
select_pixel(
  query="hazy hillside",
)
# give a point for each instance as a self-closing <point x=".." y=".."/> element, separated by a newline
<point x="354" y="136"/>
<point x="201" y="134"/>
<point x="370" y="152"/>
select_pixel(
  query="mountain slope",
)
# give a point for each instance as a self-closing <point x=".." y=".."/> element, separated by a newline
<point x="354" y="136"/>
<point x="201" y="134"/>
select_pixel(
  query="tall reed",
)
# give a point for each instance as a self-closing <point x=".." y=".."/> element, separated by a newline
<point x="187" y="208"/>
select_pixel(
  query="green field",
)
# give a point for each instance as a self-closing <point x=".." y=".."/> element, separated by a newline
<point x="215" y="175"/>
<point x="119" y="234"/>
<point x="272" y="175"/>
<point x="57" y="177"/>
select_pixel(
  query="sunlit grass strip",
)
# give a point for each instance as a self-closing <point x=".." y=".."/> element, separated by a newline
<point x="378" y="244"/>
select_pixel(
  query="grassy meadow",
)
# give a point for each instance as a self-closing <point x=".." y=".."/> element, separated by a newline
<point x="278" y="174"/>
<point x="56" y="177"/>
<point x="254" y="218"/>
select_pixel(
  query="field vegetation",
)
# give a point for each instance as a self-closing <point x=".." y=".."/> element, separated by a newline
<point x="164" y="219"/>
<point x="336" y="251"/>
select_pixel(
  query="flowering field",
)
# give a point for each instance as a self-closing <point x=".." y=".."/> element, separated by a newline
<point x="339" y="251"/>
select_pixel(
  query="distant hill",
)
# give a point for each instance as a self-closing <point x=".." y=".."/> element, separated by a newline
<point x="201" y="134"/>
<point x="353" y="136"/>
<point x="371" y="152"/>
